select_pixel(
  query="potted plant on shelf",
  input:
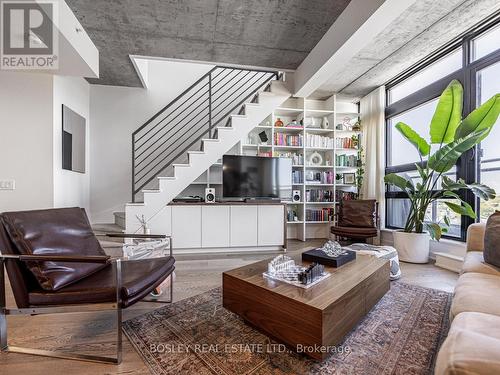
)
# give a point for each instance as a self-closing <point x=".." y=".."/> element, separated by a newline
<point x="450" y="137"/>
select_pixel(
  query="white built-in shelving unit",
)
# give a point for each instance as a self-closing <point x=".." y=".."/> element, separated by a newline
<point x="312" y="112"/>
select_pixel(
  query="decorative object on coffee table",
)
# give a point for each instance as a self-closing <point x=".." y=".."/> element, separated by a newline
<point x="283" y="268"/>
<point x="331" y="254"/>
<point x="383" y="252"/>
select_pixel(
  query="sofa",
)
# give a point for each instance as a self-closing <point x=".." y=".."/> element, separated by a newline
<point x="473" y="342"/>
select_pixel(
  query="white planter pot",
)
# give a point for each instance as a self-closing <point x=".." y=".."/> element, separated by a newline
<point x="412" y="247"/>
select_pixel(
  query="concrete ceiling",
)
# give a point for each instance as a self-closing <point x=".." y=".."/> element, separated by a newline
<point x="264" y="33"/>
<point x="422" y="29"/>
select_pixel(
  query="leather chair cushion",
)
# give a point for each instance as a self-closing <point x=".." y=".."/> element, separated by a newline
<point x="492" y="240"/>
<point x="64" y="231"/>
<point x="358" y="213"/>
<point x="354" y="232"/>
<point x="139" y="278"/>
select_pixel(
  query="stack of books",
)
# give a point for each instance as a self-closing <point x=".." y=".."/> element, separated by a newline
<point x="297" y="177"/>
<point x="344" y="160"/>
<point x="346" y="142"/>
<point x="324" y="214"/>
<point x="282" y="139"/>
<point x="319" y="195"/>
<point x="314" y="140"/>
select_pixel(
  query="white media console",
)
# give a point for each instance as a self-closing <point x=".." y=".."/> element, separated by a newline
<point x="238" y="226"/>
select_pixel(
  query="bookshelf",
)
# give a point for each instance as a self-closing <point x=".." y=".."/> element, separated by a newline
<point x="319" y="187"/>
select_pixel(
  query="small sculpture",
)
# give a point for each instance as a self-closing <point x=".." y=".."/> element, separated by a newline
<point x="333" y="249"/>
<point x="283" y="268"/>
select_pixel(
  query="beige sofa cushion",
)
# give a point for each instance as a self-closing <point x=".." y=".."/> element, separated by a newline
<point x="474" y="262"/>
<point x="476" y="292"/>
<point x="472" y="346"/>
<point x="475" y="237"/>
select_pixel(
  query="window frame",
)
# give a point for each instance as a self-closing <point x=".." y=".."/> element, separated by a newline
<point x="468" y="166"/>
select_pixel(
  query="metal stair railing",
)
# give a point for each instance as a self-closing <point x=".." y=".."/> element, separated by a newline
<point x="193" y="115"/>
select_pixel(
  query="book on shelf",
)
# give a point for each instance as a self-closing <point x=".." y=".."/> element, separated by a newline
<point x="297" y="158"/>
<point x="345" y="142"/>
<point x="344" y="160"/>
<point x="291" y="215"/>
<point x="297" y="177"/>
<point x="319" y="195"/>
<point x="319" y="141"/>
<point x="266" y="154"/>
<point x="345" y="195"/>
<point x="326" y="177"/>
<point x="323" y="214"/>
<point x="282" y="139"/>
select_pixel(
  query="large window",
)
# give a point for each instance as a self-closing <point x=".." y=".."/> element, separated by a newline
<point x="412" y="98"/>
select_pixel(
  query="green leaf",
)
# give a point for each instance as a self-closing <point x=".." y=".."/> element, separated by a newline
<point x="447" y="220"/>
<point x="483" y="117"/>
<point x="434" y="230"/>
<point x="464" y="209"/>
<point x="421" y="171"/>
<point x="416" y="140"/>
<point x="480" y="190"/>
<point x="448" y="114"/>
<point x="398" y="181"/>
<point x="447" y="156"/>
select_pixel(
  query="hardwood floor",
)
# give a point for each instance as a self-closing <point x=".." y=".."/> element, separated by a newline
<point x="92" y="333"/>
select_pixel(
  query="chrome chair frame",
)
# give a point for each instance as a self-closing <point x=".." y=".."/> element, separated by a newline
<point x="76" y="308"/>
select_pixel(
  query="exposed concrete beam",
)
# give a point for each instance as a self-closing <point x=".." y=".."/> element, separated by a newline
<point x="354" y="29"/>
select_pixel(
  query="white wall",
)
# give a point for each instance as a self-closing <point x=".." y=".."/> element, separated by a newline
<point x="70" y="188"/>
<point x="115" y="113"/>
<point x="26" y="140"/>
<point x="31" y="141"/>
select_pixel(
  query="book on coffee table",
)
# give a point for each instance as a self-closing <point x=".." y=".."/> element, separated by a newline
<point x="320" y="257"/>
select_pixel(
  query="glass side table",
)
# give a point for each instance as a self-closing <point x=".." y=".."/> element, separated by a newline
<point x="143" y="246"/>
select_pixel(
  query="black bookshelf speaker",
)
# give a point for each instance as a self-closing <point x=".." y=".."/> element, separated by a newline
<point x="209" y="195"/>
<point x="296" y="196"/>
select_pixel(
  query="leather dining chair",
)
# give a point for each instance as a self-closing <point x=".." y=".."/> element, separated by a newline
<point x="55" y="264"/>
<point x="356" y="220"/>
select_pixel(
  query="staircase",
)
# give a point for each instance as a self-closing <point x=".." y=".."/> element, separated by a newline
<point x="190" y="134"/>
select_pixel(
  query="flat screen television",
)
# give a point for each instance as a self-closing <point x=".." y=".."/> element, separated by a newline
<point x="256" y="177"/>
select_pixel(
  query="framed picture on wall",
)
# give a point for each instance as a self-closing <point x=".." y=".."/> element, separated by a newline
<point x="73" y="140"/>
<point x="349" y="178"/>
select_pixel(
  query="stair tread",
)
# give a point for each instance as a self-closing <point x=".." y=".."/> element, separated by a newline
<point x="181" y="165"/>
<point x="167" y="178"/>
<point x="151" y="190"/>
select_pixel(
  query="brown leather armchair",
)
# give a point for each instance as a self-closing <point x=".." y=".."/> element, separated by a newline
<point x="356" y="220"/>
<point x="55" y="264"/>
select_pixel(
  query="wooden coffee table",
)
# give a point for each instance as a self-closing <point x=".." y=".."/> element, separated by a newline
<point x="314" y="320"/>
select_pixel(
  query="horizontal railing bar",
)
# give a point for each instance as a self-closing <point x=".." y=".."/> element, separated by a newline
<point x="201" y="90"/>
<point x="218" y="106"/>
<point x="181" y="105"/>
<point x="172" y="102"/>
<point x="165" y="165"/>
<point x="205" y="114"/>
<point x="165" y="161"/>
<point x="189" y="133"/>
<point x="190" y="117"/>
<point x="171" y="125"/>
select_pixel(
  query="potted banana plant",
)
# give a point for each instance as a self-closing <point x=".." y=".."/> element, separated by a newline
<point x="450" y="137"/>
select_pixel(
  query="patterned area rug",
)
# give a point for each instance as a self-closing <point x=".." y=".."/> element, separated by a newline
<point x="400" y="335"/>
